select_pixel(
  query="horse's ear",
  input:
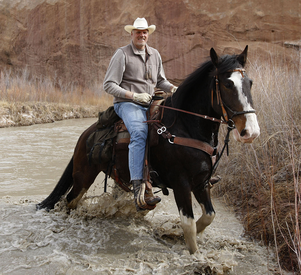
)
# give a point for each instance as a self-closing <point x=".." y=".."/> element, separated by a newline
<point x="242" y="58"/>
<point x="214" y="57"/>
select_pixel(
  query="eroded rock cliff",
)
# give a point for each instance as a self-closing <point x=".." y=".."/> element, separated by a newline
<point x="72" y="41"/>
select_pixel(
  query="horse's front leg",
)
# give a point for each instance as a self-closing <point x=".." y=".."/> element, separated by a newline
<point x="183" y="200"/>
<point x="208" y="215"/>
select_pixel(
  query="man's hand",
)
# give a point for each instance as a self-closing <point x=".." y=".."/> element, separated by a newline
<point x="142" y="98"/>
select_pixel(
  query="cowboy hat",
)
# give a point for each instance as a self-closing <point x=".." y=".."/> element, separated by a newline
<point x="140" y="24"/>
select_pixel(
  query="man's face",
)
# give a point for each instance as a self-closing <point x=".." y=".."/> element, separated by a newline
<point x="139" y="38"/>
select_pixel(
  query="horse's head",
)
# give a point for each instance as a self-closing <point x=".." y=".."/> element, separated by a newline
<point x="232" y="98"/>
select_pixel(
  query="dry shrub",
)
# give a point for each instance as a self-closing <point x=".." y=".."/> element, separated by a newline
<point x="262" y="180"/>
<point x="27" y="100"/>
<point x="21" y="87"/>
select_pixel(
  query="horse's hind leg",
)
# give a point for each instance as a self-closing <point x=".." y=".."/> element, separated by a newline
<point x="82" y="180"/>
<point x="208" y="215"/>
<point x="183" y="200"/>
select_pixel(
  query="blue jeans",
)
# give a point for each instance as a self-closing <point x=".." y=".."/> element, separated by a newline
<point x="133" y="116"/>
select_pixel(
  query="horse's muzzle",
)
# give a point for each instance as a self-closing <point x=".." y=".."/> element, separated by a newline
<point x="246" y="135"/>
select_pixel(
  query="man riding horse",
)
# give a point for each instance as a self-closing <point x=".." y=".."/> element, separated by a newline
<point x="133" y="74"/>
<point x="216" y="93"/>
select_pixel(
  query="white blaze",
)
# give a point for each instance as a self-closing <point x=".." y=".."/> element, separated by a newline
<point x="251" y="127"/>
<point x="237" y="79"/>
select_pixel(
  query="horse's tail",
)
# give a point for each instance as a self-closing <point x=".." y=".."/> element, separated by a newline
<point x="62" y="187"/>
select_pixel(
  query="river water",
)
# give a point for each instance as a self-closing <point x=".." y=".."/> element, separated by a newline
<point x="104" y="235"/>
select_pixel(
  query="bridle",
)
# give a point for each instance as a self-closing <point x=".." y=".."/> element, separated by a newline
<point x="162" y="130"/>
<point x="228" y="120"/>
<point x="223" y="106"/>
<point x="220" y="102"/>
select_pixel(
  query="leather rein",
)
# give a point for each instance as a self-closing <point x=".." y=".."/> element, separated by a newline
<point x="194" y="143"/>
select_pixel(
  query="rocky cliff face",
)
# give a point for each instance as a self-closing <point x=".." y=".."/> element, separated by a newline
<point x="72" y="41"/>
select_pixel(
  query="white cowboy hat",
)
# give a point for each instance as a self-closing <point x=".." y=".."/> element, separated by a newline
<point x="140" y="24"/>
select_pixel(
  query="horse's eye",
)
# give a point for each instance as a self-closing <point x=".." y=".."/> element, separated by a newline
<point x="229" y="84"/>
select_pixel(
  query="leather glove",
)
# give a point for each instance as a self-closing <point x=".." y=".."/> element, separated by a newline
<point x="173" y="89"/>
<point x="142" y="98"/>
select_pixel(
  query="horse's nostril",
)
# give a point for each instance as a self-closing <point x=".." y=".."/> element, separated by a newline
<point x="243" y="132"/>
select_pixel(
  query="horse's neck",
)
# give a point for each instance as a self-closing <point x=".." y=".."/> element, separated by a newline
<point x="191" y="126"/>
<point x="205" y="130"/>
<point x="195" y="100"/>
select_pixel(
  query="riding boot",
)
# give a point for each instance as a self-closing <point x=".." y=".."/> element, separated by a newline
<point x="149" y="197"/>
<point x="142" y="198"/>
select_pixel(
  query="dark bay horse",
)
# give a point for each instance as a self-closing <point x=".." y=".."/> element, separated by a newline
<point x="218" y="91"/>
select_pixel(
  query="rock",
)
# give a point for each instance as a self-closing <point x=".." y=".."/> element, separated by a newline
<point x="72" y="41"/>
<point x="6" y="122"/>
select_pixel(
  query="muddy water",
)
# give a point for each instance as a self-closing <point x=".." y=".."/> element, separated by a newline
<point x="104" y="235"/>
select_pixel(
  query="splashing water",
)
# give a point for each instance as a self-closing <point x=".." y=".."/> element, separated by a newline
<point x="105" y="234"/>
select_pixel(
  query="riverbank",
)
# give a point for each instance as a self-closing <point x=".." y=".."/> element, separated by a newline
<point x="27" y="101"/>
<point x="29" y="113"/>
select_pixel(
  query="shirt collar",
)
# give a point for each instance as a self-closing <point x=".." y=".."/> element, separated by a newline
<point x="148" y="49"/>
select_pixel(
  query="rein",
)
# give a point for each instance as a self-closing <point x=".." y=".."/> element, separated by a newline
<point x="219" y="101"/>
<point x="197" y="144"/>
<point x="204" y="146"/>
<point x="191" y="113"/>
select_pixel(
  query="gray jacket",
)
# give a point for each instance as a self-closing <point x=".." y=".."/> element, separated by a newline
<point x="128" y="71"/>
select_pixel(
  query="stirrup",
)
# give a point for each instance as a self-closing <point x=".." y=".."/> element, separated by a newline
<point x="150" y="198"/>
<point x="143" y="197"/>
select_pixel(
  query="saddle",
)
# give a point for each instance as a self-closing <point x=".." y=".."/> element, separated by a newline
<point x="109" y="145"/>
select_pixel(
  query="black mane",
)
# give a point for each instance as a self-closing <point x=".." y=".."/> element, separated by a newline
<point x="200" y="82"/>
